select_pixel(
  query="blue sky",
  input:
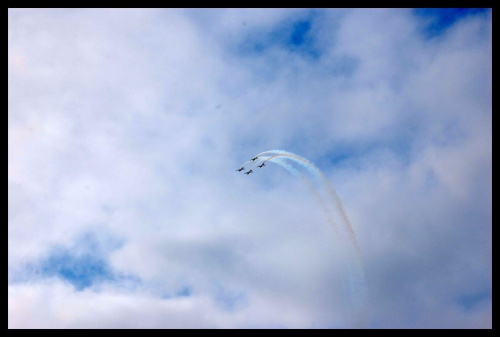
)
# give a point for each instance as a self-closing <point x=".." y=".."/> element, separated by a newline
<point x="126" y="126"/>
<point x="437" y="20"/>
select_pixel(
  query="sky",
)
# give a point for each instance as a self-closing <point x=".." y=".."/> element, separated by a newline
<point x="125" y="127"/>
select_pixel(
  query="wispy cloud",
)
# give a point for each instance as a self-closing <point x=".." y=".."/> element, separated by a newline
<point x="126" y="126"/>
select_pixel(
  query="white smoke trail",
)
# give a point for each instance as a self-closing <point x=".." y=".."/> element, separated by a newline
<point x="355" y="279"/>
<point x="259" y="157"/>
<point x="316" y="171"/>
<point x="318" y="196"/>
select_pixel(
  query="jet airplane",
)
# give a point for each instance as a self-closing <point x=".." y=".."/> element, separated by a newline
<point x="248" y="172"/>
<point x="241" y="169"/>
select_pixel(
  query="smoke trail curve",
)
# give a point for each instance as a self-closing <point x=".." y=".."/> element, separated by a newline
<point x="356" y="283"/>
<point x="309" y="165"/>
<point x="318" y="196"/>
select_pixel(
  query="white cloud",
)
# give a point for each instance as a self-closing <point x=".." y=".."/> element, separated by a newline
<point x="129" y="124"/>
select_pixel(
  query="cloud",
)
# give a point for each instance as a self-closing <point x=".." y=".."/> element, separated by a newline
<point x="125" y="127"/>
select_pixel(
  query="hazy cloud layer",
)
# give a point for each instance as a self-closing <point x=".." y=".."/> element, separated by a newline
<point x="126" y="126"/>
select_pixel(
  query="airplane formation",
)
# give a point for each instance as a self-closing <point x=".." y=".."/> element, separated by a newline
<point x="250" y="171"/>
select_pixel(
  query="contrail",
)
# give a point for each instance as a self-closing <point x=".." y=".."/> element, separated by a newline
<point x="355" y="278"/>
<point x="313" y="169"/>
<point x="318" y="196"/>
<point x="259" y="157"/>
